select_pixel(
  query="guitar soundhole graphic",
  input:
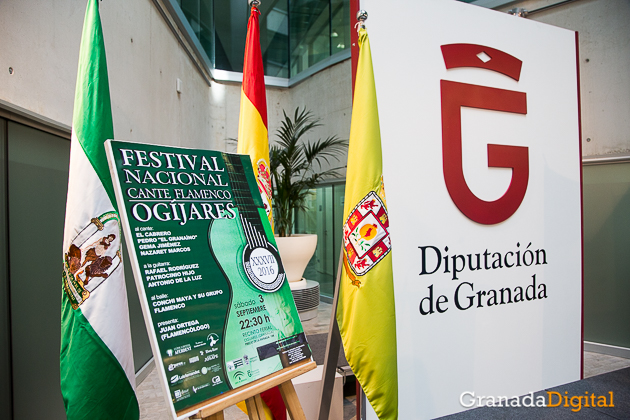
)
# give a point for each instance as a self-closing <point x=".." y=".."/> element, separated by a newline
<point x="263" y="268"/>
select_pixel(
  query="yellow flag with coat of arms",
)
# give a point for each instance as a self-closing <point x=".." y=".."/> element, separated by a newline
<point x="365" y="311"/>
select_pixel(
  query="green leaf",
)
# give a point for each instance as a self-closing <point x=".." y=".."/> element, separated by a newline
<point x="296" y="165"/>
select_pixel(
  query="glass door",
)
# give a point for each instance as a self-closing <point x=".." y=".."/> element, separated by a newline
<point x="323" y="217"/>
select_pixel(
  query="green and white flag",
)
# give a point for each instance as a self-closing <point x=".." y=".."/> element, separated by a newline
<point x="96" y="363"/>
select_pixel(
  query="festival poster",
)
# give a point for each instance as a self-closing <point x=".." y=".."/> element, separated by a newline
<point x="213" y="289"/>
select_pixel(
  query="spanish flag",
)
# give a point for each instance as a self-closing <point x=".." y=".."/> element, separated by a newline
<point x="365" y="311"/>
<point x="252" y="126"/>
<point x="253" y="141"/>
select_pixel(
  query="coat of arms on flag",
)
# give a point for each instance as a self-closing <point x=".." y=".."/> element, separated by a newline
<point x="92" y="256"/>
<point x="264" y="184"/>
<point x="366" y="235"/>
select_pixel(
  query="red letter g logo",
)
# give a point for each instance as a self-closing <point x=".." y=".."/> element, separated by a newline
<point x="456" y="95"/>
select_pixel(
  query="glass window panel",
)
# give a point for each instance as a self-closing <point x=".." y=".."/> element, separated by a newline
<point x="230" y="24"/>
<point x="323" y="216"/>
<point x="340" y="26"/>
<point x="606" y="198"/>
<point x="206" y="29"/>
<point x="274" y="37"/>
<point x="294" y="35"/>
<point x="339" y="191"/>
<point x="191" y="11"/>
<point x="317" y="219"/>
<point x="310" y="33"/>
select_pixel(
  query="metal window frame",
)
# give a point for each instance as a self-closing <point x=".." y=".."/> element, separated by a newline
<point x="606" y="159"/>
<point x="23" y="116"/>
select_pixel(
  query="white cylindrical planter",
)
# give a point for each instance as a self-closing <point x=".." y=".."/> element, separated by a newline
<point x="296" y="251"/>
<point x="306" y="296"/>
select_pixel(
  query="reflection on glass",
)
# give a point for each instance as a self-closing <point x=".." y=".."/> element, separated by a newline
<point x="200" y="17"/>
<point x="294" y="35"/>
<point x="323" y="216"/>
<point x="310" y="33"/>
<point x="230" y="25"/>
<point x="274" y="37"/>
<point x="339" y="29"/>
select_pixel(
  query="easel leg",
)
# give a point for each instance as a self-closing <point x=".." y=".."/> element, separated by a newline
<point x="255" y="408"/>
<point x="333" y="346"/>
<point x="291" y="401"/>
<point x="215" y="416"/>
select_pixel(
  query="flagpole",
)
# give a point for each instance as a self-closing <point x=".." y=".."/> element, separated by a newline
<point x="333" y="345"/>
<point x="355" y="6"/>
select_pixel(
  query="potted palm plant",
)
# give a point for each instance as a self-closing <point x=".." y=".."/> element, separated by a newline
<point x="297" y="165"/>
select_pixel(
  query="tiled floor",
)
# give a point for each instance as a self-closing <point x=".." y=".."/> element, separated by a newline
<point x="153" y="405"/>
<point x="596" y="364"/>
<point x="321" y="323"/>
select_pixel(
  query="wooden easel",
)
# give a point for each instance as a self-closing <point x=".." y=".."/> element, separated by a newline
<point x="213" y="409"/>
<point x="333" y="346"/>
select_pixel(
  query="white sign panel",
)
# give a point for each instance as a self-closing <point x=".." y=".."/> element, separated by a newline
<point x="480" y="131"/>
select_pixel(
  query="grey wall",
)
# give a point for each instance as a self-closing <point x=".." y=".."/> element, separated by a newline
<point x="604" y="48"/>
<point x="604" y="35"/>
<point x="40" y="41"/>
